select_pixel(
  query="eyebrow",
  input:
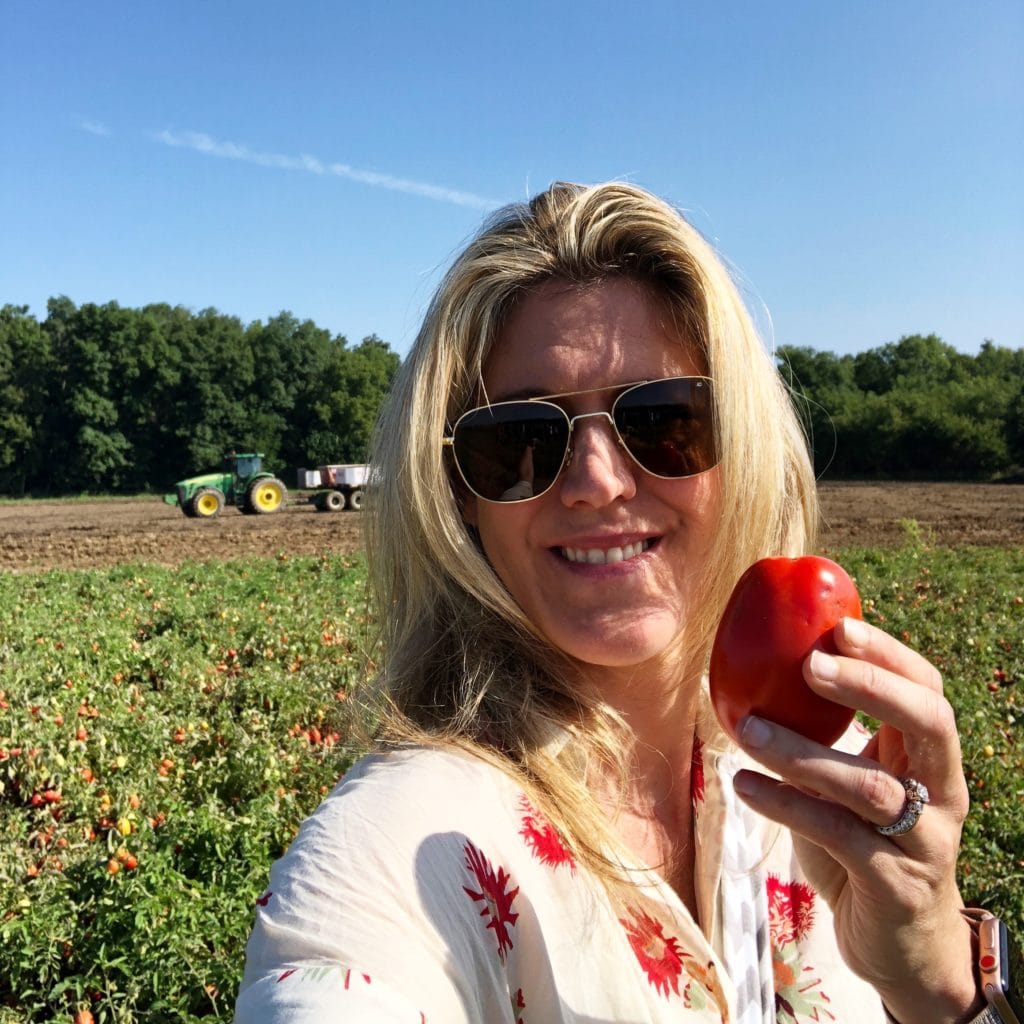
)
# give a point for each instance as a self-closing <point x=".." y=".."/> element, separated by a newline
<point x="536" y="394"/>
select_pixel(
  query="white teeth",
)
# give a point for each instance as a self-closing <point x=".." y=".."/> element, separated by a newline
<point x="601" y="556"/>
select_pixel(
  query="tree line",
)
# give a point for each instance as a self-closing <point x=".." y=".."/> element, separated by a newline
<point x="912" y="409"/>
<point x="107" y="399"/>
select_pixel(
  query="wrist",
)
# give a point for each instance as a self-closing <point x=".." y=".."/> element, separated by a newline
<point x="947" y="994"/>
<point x="998" y="978"/>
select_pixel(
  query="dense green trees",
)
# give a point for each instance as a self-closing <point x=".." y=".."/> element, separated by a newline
<point x="108" y="399"/>
<point x="104" y="398"/>
<point x="912" y="408"/>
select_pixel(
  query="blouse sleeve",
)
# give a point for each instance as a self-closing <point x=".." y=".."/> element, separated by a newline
<point x="332" y="992"/>
<point x="366" y="919"/>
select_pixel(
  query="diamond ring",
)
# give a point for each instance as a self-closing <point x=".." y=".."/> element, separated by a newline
<point x="917" y="797"/>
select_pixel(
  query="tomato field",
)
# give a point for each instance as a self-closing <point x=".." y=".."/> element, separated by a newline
<point x="164" y="732"/>
<point x="165" y="728"/>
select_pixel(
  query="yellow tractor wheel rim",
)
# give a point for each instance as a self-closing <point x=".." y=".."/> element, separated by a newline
<point x="268" y="497"/>
<point x="208" y="505"/>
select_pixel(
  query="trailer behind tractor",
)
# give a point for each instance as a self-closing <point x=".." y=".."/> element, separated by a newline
<point x="335" y="487"/>
<point x="244" y="482"/>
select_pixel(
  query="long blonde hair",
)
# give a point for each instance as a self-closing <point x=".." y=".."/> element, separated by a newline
<point x="462" y="665"/>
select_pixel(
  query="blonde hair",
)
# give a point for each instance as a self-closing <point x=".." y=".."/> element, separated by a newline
<point x="462" y="665"/>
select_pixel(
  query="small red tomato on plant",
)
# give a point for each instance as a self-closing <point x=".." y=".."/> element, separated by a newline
<point x="780" y="610"/>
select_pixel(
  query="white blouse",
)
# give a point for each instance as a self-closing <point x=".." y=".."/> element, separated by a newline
<point x="427" y="888"/>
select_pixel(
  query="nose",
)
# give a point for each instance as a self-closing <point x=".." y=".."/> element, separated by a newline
<point x="599" y="470"/>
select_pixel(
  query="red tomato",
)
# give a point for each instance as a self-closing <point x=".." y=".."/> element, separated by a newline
<point x="780" y="610"/>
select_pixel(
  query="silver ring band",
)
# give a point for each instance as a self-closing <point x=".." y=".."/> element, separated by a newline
<point x="917" y="797"/>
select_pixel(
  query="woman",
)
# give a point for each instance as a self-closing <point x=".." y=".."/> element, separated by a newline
<point x="553" y="827"/>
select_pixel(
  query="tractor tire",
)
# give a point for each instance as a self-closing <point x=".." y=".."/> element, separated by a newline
<point x="334" y="501"/>
<point x="187" y="510"/>
<point x="355" y="500"/>
<point x="207" y="503"/>
<point x="266" y="495"/>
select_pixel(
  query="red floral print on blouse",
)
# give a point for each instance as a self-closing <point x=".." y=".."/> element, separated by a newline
<point x="658" y="954"/>
<point x="790" y="910"/>
<point x="697" y="771"/>
<point x="495" y="896"/>
<point x="518" y="1005"/>
<point x="542" y="839"/>
<point x="799" y="997"/>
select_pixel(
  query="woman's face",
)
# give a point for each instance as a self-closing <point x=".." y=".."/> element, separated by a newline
<point x="626" y="609"/>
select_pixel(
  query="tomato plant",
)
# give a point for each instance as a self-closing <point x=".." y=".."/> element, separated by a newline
<point x="128" y="656"/>
<point x="154" y="760"/>
<point x="779" y="611"/>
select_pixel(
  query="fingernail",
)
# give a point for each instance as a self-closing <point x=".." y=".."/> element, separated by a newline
<point x="755" y="732"/>
<point x="855" y="633"/>
<point x="824" y="666"/>
<point x="745" y="784"/>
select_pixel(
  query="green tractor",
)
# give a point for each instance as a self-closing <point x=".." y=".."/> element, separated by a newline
<point x="243" y="483"/>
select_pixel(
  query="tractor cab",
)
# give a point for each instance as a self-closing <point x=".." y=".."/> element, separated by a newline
<point x="244" y="466"/>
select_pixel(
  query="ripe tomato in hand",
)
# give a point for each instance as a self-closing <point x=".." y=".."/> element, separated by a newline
<point x="780" y="610"/>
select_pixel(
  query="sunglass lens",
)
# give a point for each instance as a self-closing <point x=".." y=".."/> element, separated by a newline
<point x="668" y="426"/>
<point x="512" y="450"/>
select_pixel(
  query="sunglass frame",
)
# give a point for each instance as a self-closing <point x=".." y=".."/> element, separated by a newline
<point x="448" y="441"/>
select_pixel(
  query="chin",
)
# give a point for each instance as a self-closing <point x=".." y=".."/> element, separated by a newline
<point x="614" y="650"/>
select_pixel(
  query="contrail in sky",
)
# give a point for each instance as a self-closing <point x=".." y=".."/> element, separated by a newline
<point x="203" y="143"/>
<point x="94" y="128"/>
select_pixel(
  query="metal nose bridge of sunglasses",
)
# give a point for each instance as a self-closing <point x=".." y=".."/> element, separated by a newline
<point x="569" y="451"/>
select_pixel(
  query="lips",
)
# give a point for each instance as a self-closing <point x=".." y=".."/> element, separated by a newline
<point x="606" y="556"/>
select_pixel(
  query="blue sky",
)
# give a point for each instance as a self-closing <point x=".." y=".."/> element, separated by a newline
<point x="859" y="163"/>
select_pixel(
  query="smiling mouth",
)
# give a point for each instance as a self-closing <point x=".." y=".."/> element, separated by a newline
<point x="606" y="556"/>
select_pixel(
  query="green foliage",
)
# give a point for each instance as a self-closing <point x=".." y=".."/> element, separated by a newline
<point x="181" y="723"/>
<point x="103" y="398"/>
<point x="963" y="609"/>
<point x="24" y="362"/>
<point x="162" y="735"/>
<point x="913" y="408"/>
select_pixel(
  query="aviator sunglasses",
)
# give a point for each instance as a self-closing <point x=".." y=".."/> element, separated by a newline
<point x="514" y="451"/>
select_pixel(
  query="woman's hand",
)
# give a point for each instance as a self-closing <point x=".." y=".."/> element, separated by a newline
<point x="894" y="899"/>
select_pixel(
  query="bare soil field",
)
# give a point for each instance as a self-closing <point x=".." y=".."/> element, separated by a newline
<point x="82" y="534"/>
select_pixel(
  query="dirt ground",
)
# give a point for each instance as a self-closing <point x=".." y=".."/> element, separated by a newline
<point x="41" y="534"/>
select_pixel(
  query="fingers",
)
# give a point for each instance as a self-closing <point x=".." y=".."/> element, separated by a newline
<point x="903" y="872"/>
<point x="861" y="787"/>
<point x="917" y="711"/>
<point x="877" y="674"/>
<point x="825" y="792"/>
<point x="858" y="639"/>
<point x="826" y="823"/>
